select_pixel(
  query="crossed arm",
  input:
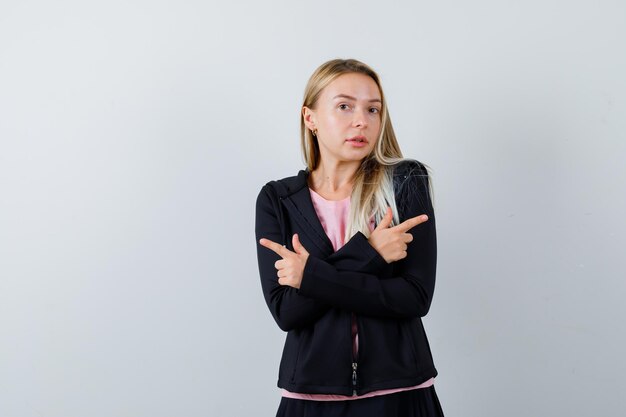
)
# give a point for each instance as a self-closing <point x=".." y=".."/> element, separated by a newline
<point x="308" y="286"/>
<point x="289" y="307"/>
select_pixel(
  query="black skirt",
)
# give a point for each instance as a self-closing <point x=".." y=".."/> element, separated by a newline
<point x="420" y="402"/>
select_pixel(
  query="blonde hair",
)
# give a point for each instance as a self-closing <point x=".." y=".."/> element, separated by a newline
<point x="373" y="182"/>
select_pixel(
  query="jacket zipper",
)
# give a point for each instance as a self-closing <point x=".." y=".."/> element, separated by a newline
<point x="354" y="358"/>
<point x="354" y="364"/>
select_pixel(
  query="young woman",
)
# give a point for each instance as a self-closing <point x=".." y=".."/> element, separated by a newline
<point x="347" y="257"/>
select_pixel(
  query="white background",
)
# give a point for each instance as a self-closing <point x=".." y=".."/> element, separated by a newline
<point x="135" y="136"/>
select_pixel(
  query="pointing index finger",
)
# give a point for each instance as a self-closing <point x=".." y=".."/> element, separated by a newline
<point x="276" y="247"/>
<point x="412" y="222"/>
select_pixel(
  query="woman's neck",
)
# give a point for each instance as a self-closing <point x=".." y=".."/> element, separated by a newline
<point x="333" y="181"/>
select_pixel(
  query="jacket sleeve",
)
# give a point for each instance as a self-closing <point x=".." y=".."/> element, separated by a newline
<point x="289" y="308"/>
<point x="358" y="255"/>
<point x="408" y="292"/>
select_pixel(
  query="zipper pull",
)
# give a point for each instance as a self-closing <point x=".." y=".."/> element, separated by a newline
<point x="354" y="378"/>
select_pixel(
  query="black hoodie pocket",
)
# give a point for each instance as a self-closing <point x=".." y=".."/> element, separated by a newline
<point x="301" y="343"/>
<point x="421" y="349"/>
<point x="410" y="332"/>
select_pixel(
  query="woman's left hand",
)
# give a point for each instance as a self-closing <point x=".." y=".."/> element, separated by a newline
<point x="291" y="267"/>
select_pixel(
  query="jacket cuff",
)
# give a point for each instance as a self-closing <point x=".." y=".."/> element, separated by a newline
<point x="307" y="284"/>
<point x="373" y="262"/>
<point x="358" y="249"/>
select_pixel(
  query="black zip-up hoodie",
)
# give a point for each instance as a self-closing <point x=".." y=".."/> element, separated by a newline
<point x="388" y="299"/>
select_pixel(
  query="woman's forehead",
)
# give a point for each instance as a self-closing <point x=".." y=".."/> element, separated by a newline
<point x="352" y="86"/>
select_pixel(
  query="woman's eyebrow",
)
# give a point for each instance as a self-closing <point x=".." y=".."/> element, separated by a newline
<point x="353" y="98"/>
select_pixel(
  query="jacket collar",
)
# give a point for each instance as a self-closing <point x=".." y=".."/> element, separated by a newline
<point x="295" y="196"/>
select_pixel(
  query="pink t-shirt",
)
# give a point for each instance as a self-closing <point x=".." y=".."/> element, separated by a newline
<point x="333" y="215"/>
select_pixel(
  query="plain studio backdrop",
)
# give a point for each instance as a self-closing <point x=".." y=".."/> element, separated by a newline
<point x="136" y="135"/>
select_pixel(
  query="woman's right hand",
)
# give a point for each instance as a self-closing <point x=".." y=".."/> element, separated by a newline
<point x="391" y="242"/>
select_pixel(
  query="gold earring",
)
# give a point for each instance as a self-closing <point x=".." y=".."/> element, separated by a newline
<point x="314" y="132"/>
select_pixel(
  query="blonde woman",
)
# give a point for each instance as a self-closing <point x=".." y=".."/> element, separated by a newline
<point x="347" y="256"/>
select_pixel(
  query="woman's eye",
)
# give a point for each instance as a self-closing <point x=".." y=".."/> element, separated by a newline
<point x="374" y="110"/>
<point x="343" y="106"/>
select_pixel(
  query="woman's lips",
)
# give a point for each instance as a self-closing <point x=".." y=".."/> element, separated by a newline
<point x="357" y="141"/>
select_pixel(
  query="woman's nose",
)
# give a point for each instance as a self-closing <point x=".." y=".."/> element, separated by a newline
<point x="360" y="119"/>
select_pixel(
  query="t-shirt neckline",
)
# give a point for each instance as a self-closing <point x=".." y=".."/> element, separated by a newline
<point x="329" y="201"/>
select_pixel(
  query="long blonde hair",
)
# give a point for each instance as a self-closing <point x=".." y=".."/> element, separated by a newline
<point x="373" y="182"/>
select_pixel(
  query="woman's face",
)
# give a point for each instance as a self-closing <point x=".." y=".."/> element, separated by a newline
<point x="347" y="118"/>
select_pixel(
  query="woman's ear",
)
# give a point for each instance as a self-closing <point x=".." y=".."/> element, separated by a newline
<point x="308" y="115"/>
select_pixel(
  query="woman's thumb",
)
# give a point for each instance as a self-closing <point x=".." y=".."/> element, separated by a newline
<point x="386" y="220"/>
<point x="297" y="246"/>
